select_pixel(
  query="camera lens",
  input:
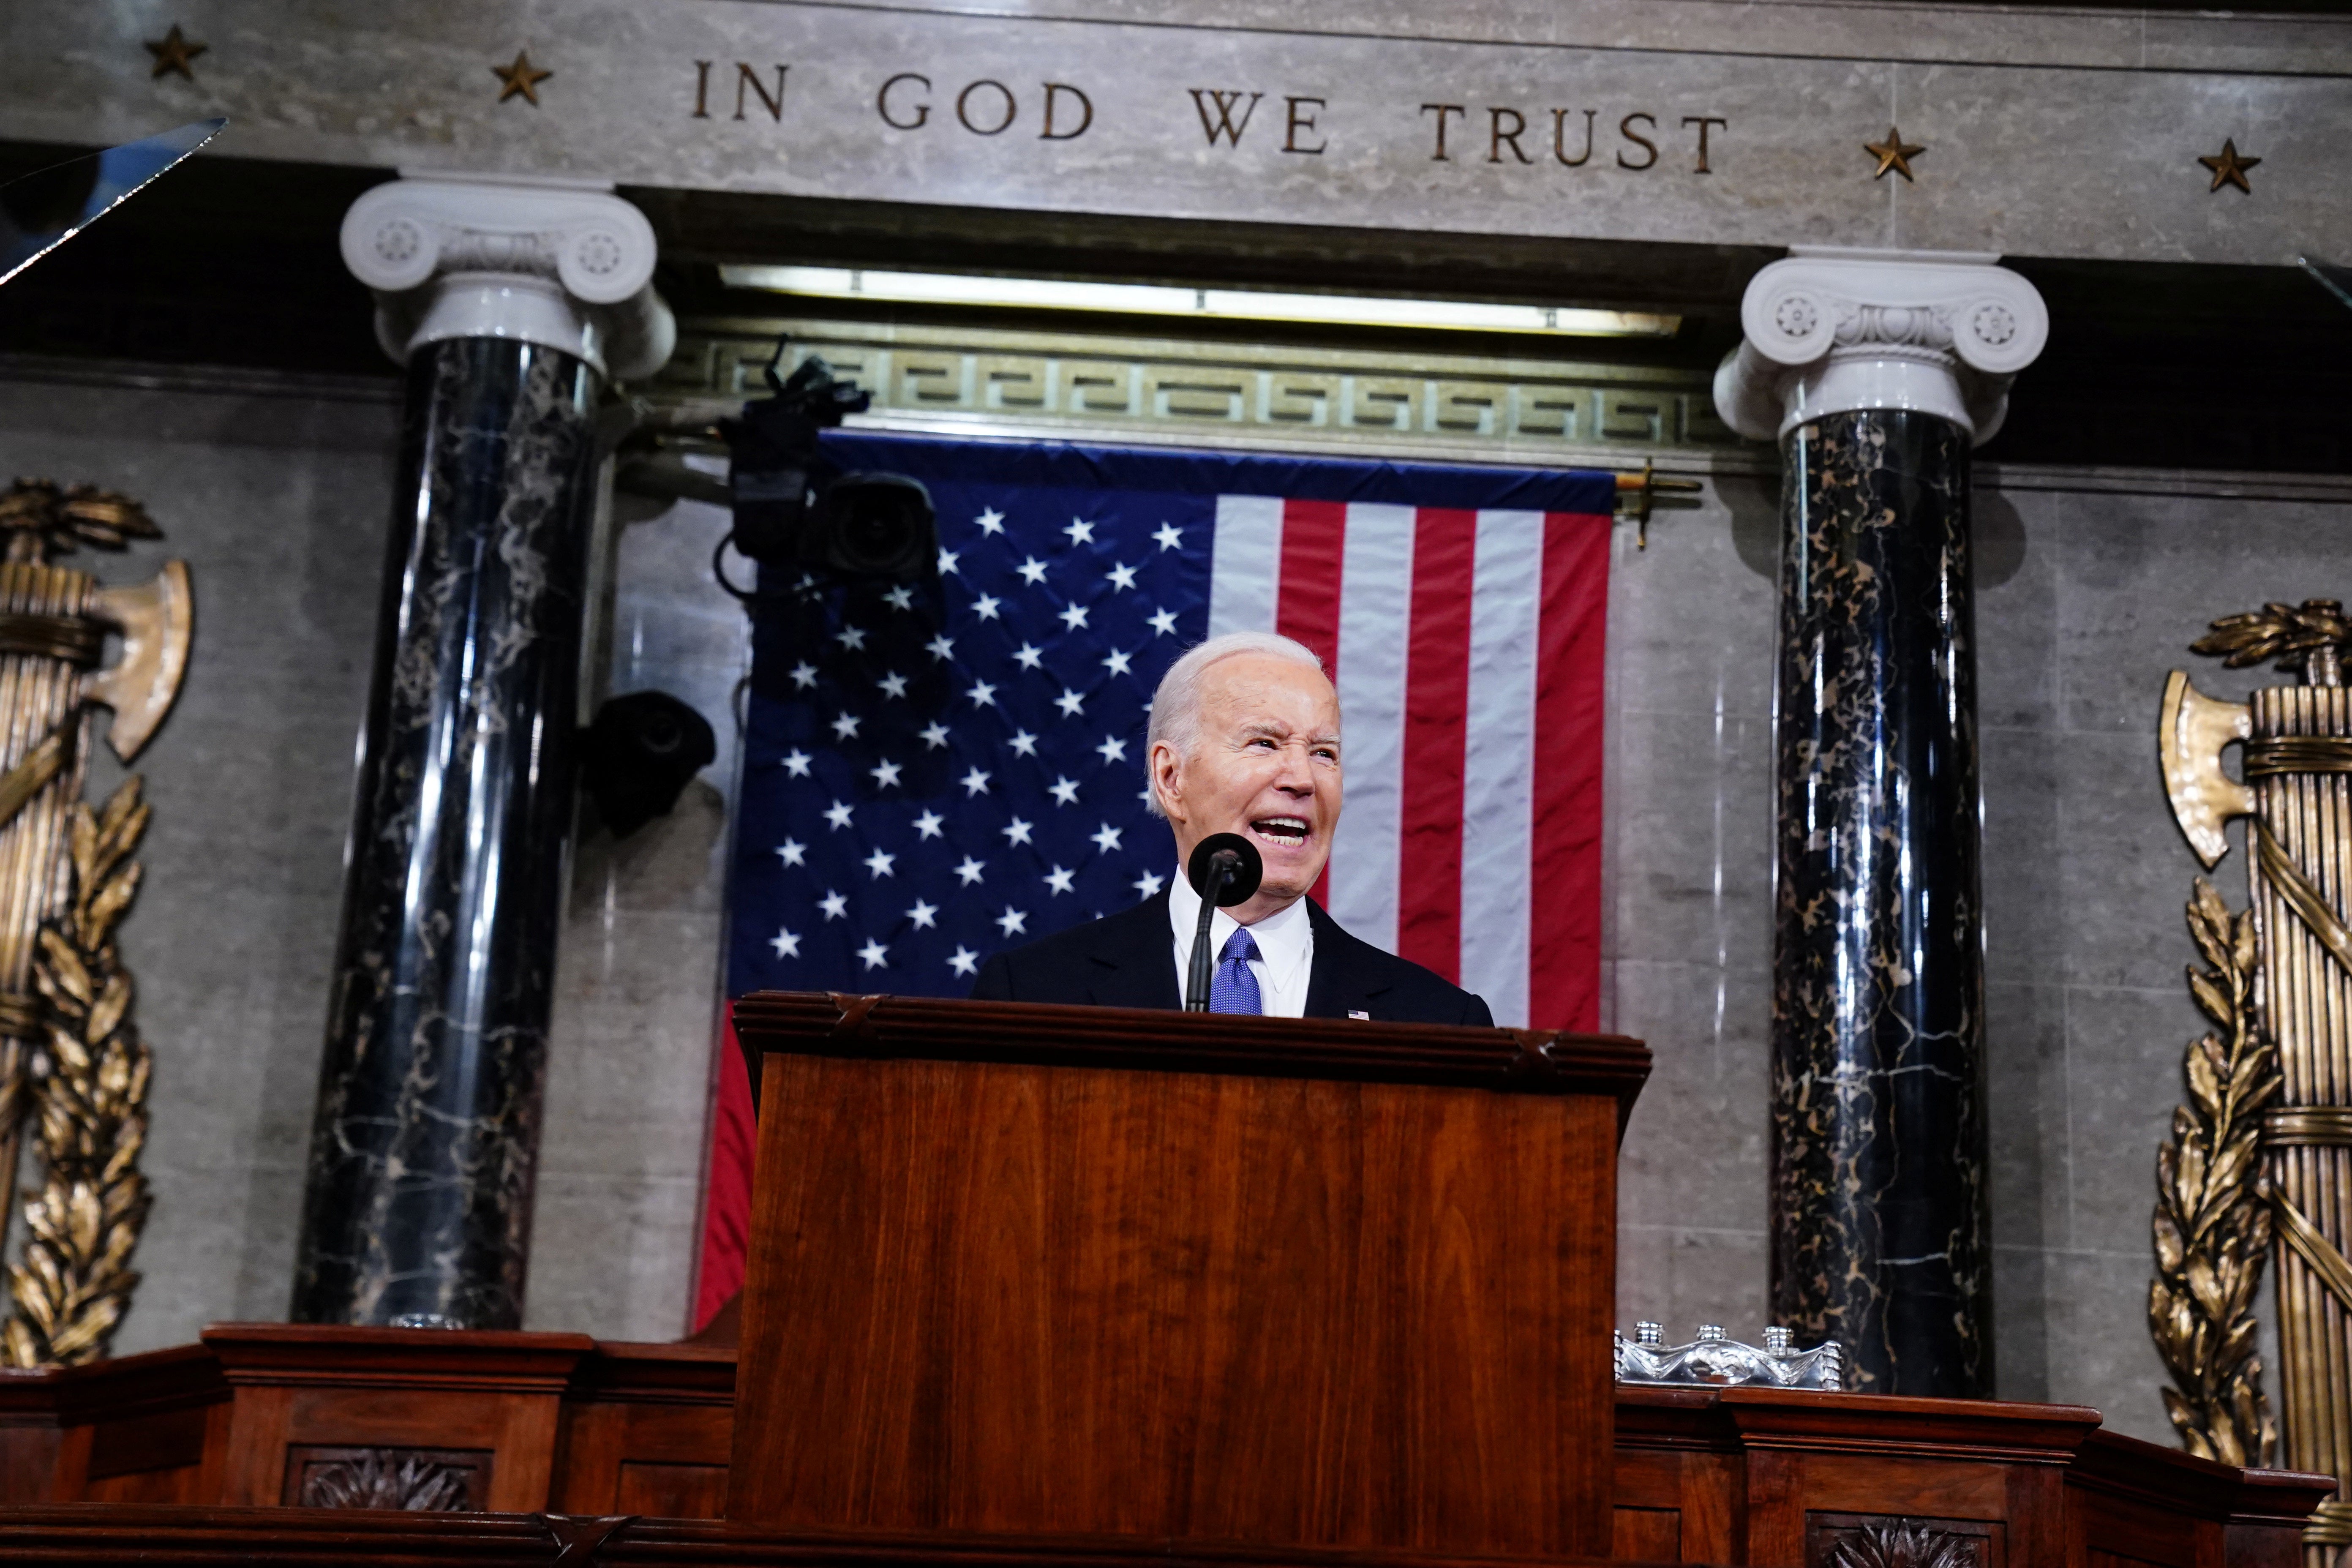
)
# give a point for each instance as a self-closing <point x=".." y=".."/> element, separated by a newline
<point x="878" y="525"/>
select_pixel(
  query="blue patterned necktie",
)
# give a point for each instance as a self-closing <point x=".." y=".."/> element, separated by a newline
<point x="1234" y="988"/>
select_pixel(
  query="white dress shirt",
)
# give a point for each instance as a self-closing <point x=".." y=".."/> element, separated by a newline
<point x="1286" y="947"/>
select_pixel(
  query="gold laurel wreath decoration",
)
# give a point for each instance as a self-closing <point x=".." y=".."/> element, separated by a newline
<point x="90" y="1087"/>
<point x="2212" y="1216"/>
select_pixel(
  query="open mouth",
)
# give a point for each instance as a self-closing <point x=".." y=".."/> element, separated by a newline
<point x="1287" y="832"/>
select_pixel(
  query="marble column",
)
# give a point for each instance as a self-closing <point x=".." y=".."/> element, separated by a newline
<point x="510" y="304"/>
<point x="1877" y="373"/>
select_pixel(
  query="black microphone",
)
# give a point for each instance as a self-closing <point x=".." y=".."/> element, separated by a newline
<point x="1224" y="869"/>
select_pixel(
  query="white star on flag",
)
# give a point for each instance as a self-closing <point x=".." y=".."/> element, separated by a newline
<point x="879" y="863"/>
<point x="786" y="943"/>
<point x="834" y="905"/>
<point x="1105" y="839"/>
<point x="928" y="826"/>
<point x="793" y="851"/>
<point x="964" y="961"/>
<point x="1148" y="886"/>
<point x="796" y="762"/>
<point x="885" y="774"/>
<point x="1121" y="578"/>
<point x="1170" y="536"/>
<point x="970" y="872"/>
<point x="1080" y="532"/>
<point x="1059" y="879"/>
<point x="1064" y="791"/>
<point x="1033" y="570"/>
<point x="873" y="953"/>
<point x="1014" y="921"/>
<point x="838" y="814"/>
<point x="1017" y="831"/>
<point x="925" y="916"/>
<point x="991" y="520"/>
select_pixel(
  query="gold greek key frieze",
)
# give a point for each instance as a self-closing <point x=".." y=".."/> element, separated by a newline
<point x="1348" y="399"/>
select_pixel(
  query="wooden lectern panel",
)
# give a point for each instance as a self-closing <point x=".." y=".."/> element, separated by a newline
<point x="1178" y="1278"/>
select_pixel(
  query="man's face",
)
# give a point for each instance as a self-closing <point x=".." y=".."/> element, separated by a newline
<point x="1266" y="767"/>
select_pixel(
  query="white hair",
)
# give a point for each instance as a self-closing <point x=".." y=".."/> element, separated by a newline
<point x="1176" y="705"/>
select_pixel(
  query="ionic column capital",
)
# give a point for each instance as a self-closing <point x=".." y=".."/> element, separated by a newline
<point x="1833" y="330"/>
<point x="566" y="264"/>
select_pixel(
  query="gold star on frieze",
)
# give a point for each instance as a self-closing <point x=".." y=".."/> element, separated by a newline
<point x="174" y="52"/>
<point x="1893" y="153"/>
<point x="2229" y="167"/>
<point x="519" y="78"/>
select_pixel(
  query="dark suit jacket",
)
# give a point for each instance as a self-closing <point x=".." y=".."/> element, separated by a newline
<point x="1125" y="961"/>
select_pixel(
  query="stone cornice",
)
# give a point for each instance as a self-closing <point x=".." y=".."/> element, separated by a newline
<point x="566" y="264"/>
<point x="1829" y="332"/>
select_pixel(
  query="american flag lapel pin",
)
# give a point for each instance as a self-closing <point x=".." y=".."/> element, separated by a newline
<point x="1357" y="1012"/>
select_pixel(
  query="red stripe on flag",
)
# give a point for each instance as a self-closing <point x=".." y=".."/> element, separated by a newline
<point x="726" y="1194"/>
<point x="1436" y="728"/>
<point x="1564" y="878"/>
<point x="1314" y="548"/>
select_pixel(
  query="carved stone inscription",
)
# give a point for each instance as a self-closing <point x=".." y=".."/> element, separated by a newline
<point x="911" y="101"/>
<point x="1748" y="127"/>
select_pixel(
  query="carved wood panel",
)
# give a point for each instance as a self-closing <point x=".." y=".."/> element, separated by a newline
<point x="438" y="1480"/>
<point x="1895" y="1540"/>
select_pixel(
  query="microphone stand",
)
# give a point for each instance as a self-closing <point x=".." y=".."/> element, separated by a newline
<point x="1196" y="985"/>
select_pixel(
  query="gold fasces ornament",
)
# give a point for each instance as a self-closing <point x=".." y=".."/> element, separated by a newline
<point x="74" y="1282"/>
<point x="2211" y="1229"/>
<point x="2278" y="986"/>
<point x="71" y="1062"/>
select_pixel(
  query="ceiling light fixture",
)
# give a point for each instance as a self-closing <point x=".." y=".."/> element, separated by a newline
<point x="1201" y="304"/>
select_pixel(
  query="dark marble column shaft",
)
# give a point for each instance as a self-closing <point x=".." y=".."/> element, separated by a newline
<point x="1880" y="1237"/>
<point x="420" y="1180"/>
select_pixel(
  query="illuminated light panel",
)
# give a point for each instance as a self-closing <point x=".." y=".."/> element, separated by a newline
<point x="1201" y="304"/>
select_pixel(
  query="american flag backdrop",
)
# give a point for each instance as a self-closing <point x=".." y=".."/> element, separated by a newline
<point x="934" y="773"/>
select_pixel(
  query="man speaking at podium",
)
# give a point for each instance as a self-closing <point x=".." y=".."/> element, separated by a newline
<point x="1245" y="739"/>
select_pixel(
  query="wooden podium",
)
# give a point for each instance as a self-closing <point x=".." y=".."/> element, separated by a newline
<point x="1091" y="1271"/>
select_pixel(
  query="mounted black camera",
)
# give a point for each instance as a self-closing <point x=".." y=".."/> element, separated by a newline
<point x="793" y="507"/>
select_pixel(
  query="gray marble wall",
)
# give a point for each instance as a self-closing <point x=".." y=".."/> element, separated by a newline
<point x="277" y="497"/>
<point x="2090" y="587"/>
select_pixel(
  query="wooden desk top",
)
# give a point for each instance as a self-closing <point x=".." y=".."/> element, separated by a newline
<point x="1508" y="1061"/>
